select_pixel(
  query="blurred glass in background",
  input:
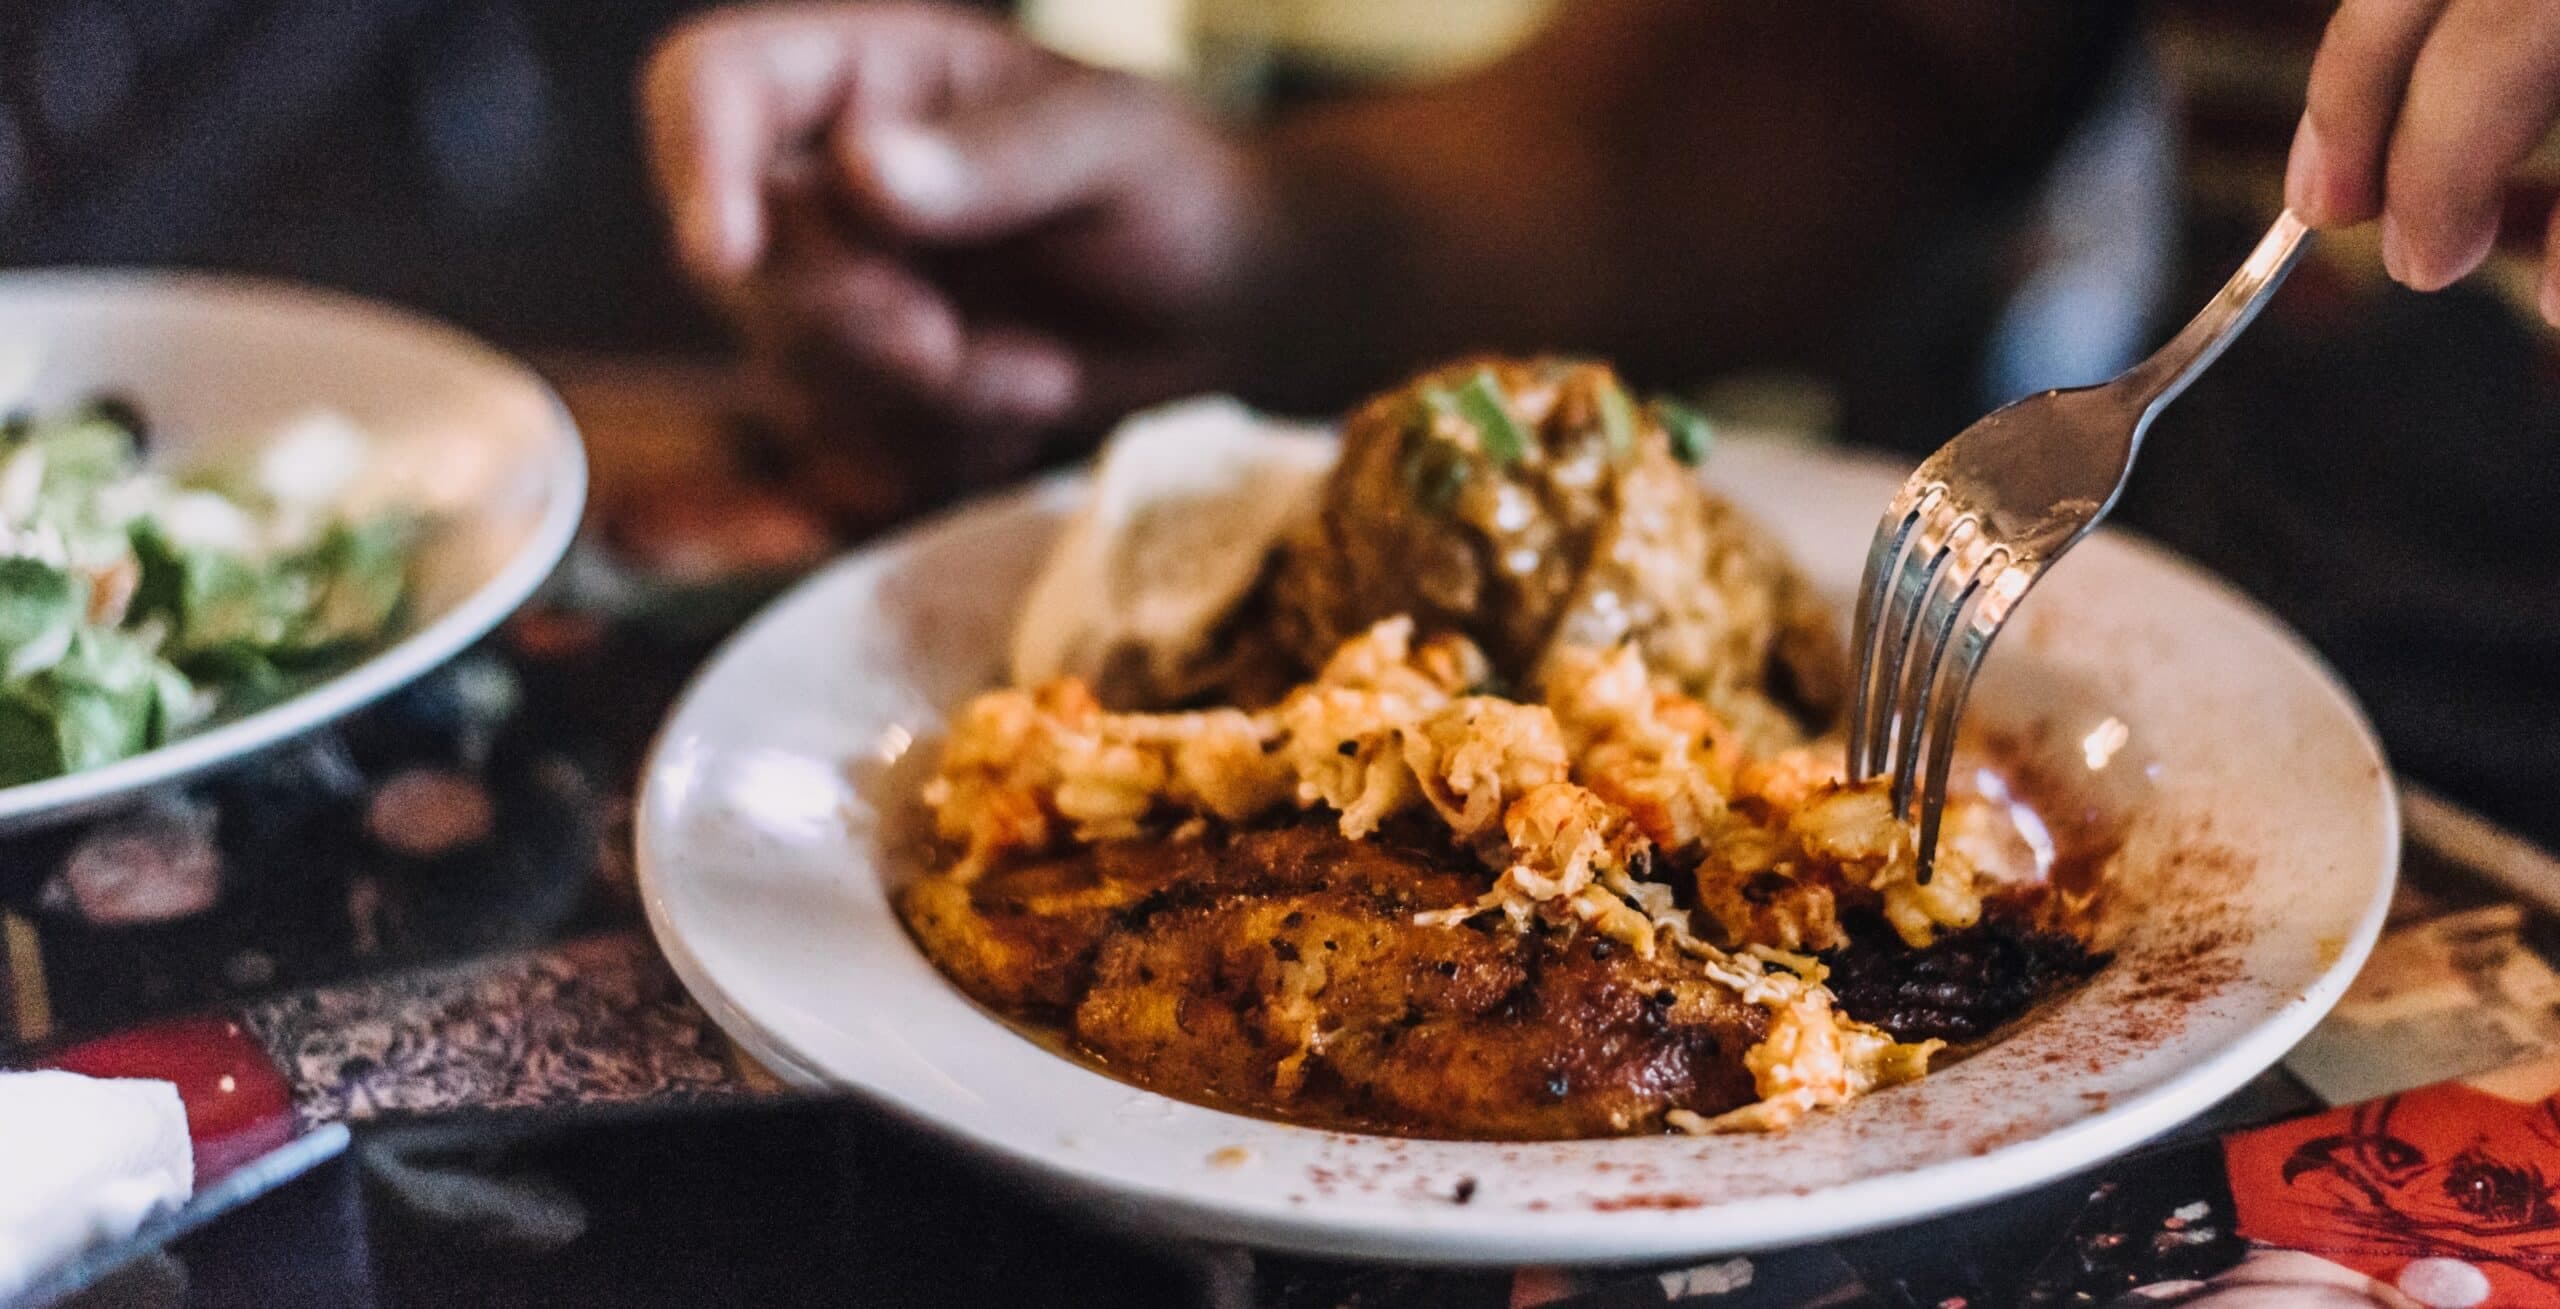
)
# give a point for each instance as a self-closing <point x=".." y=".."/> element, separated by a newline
<point x="1249" y="54"/>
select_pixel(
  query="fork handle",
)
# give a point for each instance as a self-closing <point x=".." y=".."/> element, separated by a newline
<point x="2150" y="385"/>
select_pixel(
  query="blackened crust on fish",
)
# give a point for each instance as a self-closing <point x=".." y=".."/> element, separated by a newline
<point x="1961" y="987"/>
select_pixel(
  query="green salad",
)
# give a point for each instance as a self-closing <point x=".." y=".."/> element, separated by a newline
<point x="137" y="602"/>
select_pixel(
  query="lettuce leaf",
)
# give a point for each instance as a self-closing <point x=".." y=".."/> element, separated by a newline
<point x="363" y="574"/>
<point x="82" y="456"/>
<point x="106" y="698"/>
<point x="235" y="593"/>
<point x="41" y="606"/>
<point x="29" y="751"/>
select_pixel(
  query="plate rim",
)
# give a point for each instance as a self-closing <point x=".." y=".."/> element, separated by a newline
<point x="31" y="805"/>
<point x="1462" y="1237"/>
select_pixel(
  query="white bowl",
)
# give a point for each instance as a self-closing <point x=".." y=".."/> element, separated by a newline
<point x="2260" y="855"/>
<point x="461" y="430"/>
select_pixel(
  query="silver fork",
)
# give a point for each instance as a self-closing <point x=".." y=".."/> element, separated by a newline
<point x="1982" y="519"/>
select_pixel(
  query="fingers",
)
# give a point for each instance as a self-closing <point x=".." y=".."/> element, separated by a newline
<point x="2481" y="96"/>
<point x="869" y="321"/>
<point x="993" y="423"/>
<point x="840" y="176"/>
<point x="2418" y="111"/>
<point x="1005" y="166"/>
<point x="2335" y="173"/>
<point x="732" y="96"/>
<point x="868" y="313"/>
<point x="1015" y="379"/>
<point x="715" y="126"/>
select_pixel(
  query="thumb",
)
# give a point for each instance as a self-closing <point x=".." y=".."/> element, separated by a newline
<point x="1002" y="168"/>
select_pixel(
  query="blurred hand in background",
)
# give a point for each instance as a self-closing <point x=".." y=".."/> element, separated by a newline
<point x="957" y="242"/>
<point x="969" y="249"/>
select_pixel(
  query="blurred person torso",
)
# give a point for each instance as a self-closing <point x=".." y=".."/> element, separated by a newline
<point x="473" y="158"/>
<point x="477" y="158"/>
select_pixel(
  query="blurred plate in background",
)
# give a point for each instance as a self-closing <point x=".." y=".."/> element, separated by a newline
<point x="460" y="431"/>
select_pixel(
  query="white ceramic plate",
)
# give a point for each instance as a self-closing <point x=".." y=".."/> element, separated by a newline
<point x="460" y="430"/>
<point x="2262" y="843"/>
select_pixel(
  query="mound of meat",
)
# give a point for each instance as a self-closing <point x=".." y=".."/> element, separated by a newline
<point x="1535" y="507"/>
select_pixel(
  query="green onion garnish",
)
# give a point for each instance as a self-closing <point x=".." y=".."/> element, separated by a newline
<point x="1617" y="420"/>
<point x="1691" y="434"/>
<point x="1480" y="403"/>
<point x="1434" y="472"/>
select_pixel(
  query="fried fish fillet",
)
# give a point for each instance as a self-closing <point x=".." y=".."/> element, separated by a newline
<point x="1282" y="971"/>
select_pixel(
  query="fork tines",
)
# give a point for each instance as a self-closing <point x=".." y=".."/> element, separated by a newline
<point x="1949" y="588"/>
<point x="1941" y="580"/>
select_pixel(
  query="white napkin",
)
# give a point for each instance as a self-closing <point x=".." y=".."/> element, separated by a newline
<point x="84" y="1160"/>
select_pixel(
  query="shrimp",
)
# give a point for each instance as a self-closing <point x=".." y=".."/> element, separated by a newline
<point x="1022" y="766"/>
<point x="1813" y="1058"/>
<point x="1857" y="830"/>
<point x="1660" y="755"/>
<point x="1474" y="757"/>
